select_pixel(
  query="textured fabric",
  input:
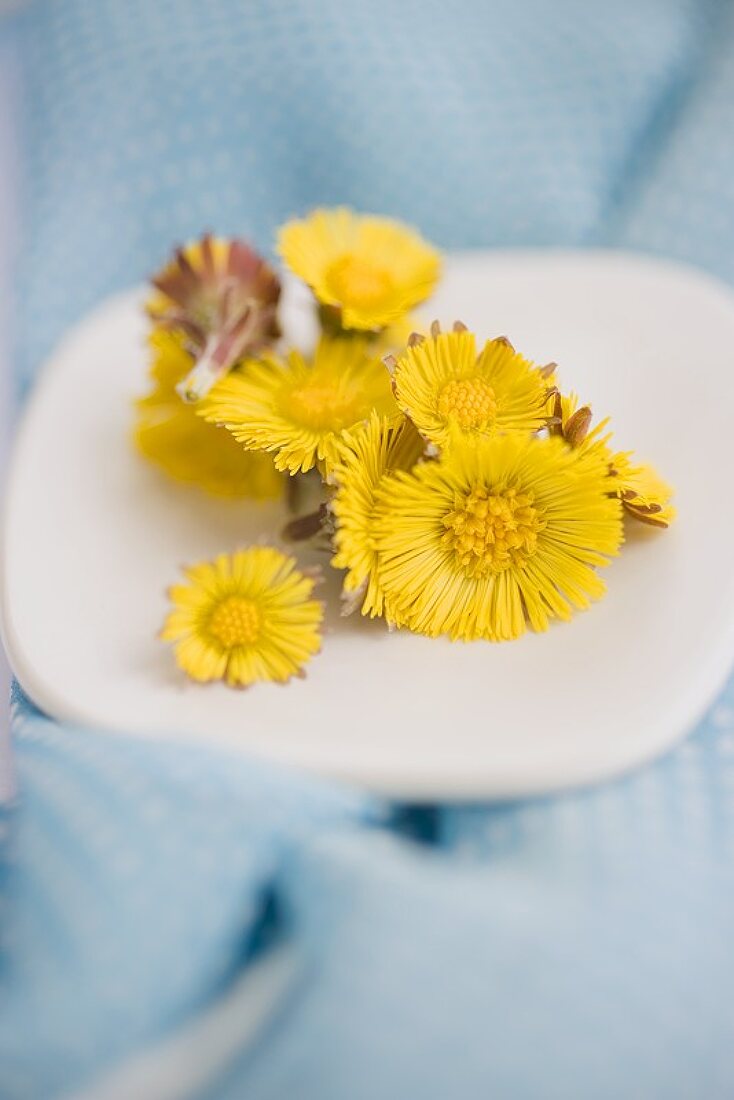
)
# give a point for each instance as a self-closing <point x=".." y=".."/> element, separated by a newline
<point x="571" y="947"/>
<point x="484" y="124"/>
<point x="139" y="883"/>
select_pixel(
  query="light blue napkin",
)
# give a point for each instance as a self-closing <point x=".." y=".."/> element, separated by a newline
<point x="572" y="947"/>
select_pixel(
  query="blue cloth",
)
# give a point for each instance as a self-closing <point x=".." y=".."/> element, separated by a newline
<point x="571" y="947"/>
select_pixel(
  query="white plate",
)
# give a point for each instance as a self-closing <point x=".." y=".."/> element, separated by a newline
<point x="94" y="536"/>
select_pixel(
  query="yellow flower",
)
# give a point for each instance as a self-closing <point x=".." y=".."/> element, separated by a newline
<point x="372" y="270"/>
<point x="371" y="451"/>
<point x="169" y="433"/>
<point x="643" y="493"/>
<point x="442" y="385"/>
<point x="299" y="410"/>
<point x="223" y="298"/>
<point x="244" y="617"/>
<point x="497" y="532"/>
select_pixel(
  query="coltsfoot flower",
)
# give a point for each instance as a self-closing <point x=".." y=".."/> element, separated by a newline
<point x="644" y="494"/>
<point x="371" y="270"/>
<point x="244" y="617"/>
<point x="496" y="534"/>
<point x="299" y="410"/>
<point x="223" y="298"/>
<point x="170" y="434"/>
<point x="371" y="451"/>
<point x="443" y="386"/>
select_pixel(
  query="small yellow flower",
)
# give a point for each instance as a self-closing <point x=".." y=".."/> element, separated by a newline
<point x="244" y="617"/>
<point x="169" y="433"/>
<point x="644" y="494"/>
<point x="371" y="451"/>
<point x="373" y="270"/>
<point x="442" y="385"/>
<point x="299" y="410"/>
<point x="496" y="533"/>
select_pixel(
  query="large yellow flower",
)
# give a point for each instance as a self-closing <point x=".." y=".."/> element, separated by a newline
<point x="244" y="617"/>
<point x="498" y="532"/>
<point x="169" y="433"/>
<point x="442" y="385"/>
<point x="299" y="410"/>
<point x="371" y="270"/>
<point x="371" y="451"/>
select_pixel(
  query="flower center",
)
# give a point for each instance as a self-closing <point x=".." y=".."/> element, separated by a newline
<point x="236" y="621"/>
<point x="353" y="280"/>
<point x="321" y="405"/>
<point x="489" y="532"/>
<point x="471" y="401"/>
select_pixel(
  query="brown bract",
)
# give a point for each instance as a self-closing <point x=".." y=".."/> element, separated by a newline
<point x="223" y="297"/>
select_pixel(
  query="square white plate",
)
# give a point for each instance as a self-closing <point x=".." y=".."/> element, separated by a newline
<point x="93" y="536"/>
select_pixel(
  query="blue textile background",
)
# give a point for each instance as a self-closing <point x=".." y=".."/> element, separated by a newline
<point x="572" y="947"/>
